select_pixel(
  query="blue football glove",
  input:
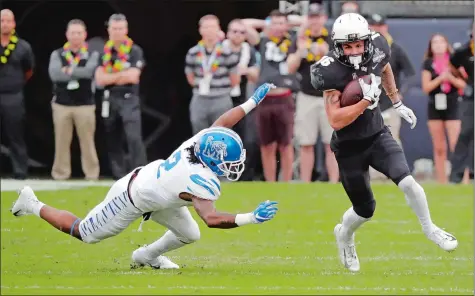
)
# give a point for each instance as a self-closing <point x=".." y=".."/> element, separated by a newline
<point x="261" y="92"/>
<point x="265" y="211"/>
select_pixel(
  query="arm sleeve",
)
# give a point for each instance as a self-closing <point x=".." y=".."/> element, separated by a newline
<point x="87" y="71"/>
<point x="54" y="69"/>
<point x="383" y="44"/>
<point x="319" y="77"/>
<point x="427" y="65"/>
<point x="28" y="61"/>
<point x="189" y="63"/>
<point x="204" y="186"/>
<point x="136" y="58"/>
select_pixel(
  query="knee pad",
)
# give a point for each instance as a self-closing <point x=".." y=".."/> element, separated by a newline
<point x="365" y="210"/>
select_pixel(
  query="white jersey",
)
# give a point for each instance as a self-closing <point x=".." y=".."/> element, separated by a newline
<point x="159" y="183"/>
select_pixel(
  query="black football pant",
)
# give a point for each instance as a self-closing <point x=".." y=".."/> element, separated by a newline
<point x="462" y="157"/>
<point x="12" y="121"/>
<point x="124" y="119"/>
<point x="381" y="152"/>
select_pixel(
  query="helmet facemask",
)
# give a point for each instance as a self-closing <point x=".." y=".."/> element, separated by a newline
<point x="354" y="60"/>
<point x="233" y="170"/>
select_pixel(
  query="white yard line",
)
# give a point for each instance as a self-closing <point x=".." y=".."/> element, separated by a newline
<point x="46" y="185"/>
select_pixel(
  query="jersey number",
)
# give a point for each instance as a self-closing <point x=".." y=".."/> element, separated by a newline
<point x="325" y="61"/>
<point x="170" y="163"/>
<point x="374" y="36"/>
<point x="273" y="53"/>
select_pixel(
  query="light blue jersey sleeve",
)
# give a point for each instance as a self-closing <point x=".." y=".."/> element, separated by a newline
<point x="205" y="186"/>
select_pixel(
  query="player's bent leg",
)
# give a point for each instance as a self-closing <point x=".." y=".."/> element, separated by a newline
<point x="417" y="200"/>
<point x="387" y="157"/>
<point x="183" y="230"/>
<point x="27" y="204"/>
<point x="114" y="214"/>
<point x="355" y="180"/>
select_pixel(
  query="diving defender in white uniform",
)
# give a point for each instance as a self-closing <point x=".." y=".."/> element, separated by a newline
<point x="162" y="192"/>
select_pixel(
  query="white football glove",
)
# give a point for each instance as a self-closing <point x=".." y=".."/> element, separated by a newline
<point x="371" y="92"/>
<point x="406" y="113"/>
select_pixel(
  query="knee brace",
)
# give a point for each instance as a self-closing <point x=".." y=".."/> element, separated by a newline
<point x="365" y="210"/>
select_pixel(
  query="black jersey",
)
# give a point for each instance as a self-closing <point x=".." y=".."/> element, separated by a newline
<point x="330" y="74"/>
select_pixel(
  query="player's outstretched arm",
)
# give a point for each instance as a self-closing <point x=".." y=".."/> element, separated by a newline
<point x="392" y="92"/>
<point x="233" y="116"/>
<point x="338" y="116"/>
<point x="389" y="84"/>
<point x="206" y="210"/>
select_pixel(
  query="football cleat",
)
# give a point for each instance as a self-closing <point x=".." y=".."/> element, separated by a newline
<point x="140" y="259"/>
<point x="24" y="204"/>
<point x="444" y="240"/>
<point x="346" y="250"/>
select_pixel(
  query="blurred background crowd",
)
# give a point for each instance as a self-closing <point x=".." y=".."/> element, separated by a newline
<point x="74" y="102"/>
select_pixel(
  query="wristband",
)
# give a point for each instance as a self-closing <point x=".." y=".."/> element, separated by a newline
<point x="248" y="105"/>
<point x="397" y="104"/>
<point x="243" y="219"/>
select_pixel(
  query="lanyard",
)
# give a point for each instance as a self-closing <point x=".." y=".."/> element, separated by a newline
<point x="205" y="62"/>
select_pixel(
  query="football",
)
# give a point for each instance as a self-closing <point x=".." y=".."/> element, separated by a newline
<point x="352" y="93"/>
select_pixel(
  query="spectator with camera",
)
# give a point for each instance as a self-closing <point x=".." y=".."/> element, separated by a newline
<point x="441" y="84"/>
<point x="71" y="69"/>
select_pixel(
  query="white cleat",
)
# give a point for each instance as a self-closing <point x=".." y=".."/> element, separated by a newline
<point x="346" y="250"/>
<point x="161" y="262"/>
<point x="24" y="204"/>
<point x="444" y="240"/>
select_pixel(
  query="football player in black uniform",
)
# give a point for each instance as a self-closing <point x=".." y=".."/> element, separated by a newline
<point x="361" y="139"/>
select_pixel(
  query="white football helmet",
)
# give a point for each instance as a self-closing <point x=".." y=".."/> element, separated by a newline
<point x="351" y="27"/>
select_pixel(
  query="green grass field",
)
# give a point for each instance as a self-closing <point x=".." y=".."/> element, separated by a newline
<point x="293" y="254"/>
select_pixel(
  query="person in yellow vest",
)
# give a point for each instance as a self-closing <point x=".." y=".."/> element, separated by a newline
<point x="310" y="118"/>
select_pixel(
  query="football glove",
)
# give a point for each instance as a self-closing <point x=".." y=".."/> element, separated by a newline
<point x="406" y="113"/>
<point x="265" y="211"/>
<point x="261" y="92"/>
<point x="371" y="92"/>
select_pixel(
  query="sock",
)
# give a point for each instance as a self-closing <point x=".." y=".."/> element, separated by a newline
<point x="36" y="207"/>
<point x="167" y="242"/>
<point x="351" y="222"/>
<point x="416" y="198"/>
